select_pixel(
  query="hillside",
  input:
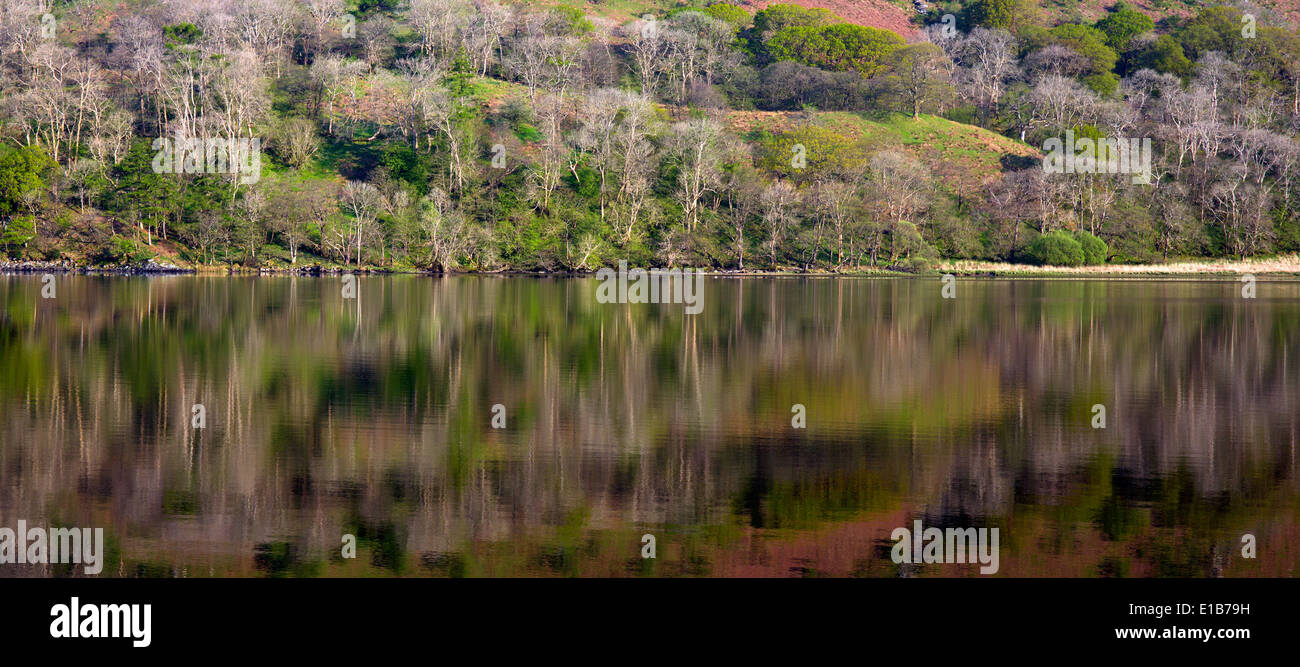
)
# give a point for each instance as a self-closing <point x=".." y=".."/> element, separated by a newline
<point x="450" y="135"/>
<point x="895" y="16"/>
<point x="963" y="158"/>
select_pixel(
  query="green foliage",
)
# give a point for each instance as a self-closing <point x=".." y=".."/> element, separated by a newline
<point x="779" y="17"/>
<point x="573" y="19"/>
<point x="18" y="232"/>
<point x="142" y="194"/>
<point x="1165" y="56"/>
<point x="1094" y="249"/>
<point x="915" y="79"/>
<point x="1121" y="24"/>
<point x="840" y="47"/>
<point x="528" y="133"/>
<point x="1105" y="84"/>
<point x="370" y="7"/>
<point x="572" y="200"/>
<point x="181" y="33"/>
<point x="1004" y="14"/>
<point x="729" y="13"/>
<point x="1088" y="42"/>
<point x="404" y="163"/>
<point x="1056" y="248"/>
<point x="1214" y="29"/>
<point x="824" y="151"/>
<point x="22" y="171"/>
<point x="123" y="251"/>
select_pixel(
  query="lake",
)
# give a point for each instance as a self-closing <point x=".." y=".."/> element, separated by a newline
<point x="515" y="426"/>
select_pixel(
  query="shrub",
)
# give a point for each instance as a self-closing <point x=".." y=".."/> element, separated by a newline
<point x="841" y="47"/>
<point x="1056" y="248"/>
<point x="1094" y="249"/>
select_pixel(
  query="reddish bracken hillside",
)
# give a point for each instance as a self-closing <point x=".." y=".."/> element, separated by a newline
<point x="1287" y="8"/>
<point x="874" y="13"/>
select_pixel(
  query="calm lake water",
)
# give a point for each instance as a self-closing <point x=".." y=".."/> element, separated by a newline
<point x="327" y="416"/>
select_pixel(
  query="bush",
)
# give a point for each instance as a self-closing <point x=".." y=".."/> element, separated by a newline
<point x="791" y="86"/>
<point x="1056" y="248"/>
<point x="842" y="47"/>
<point x="122" y="250"/>
<point x="1094" y="249"/>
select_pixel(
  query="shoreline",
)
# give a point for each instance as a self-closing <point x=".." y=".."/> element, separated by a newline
<point x="1287" y="266"/>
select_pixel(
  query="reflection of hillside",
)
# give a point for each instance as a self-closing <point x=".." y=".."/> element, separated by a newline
<point x="327" y="416"/>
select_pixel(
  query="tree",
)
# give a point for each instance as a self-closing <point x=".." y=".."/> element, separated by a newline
<point x="1094" y="249"/>
<point x="991" y="61"/>
<point x="1121" y="24"/>
<point x="778" y="203"/>
<point x="1214" y="29"/>
<point x="839" y="47"/>
<point x="361" y="201"/>
<point x="22" y="172"/>
<point x="249" y="228"/>
<point x="917" y="77"/>
<point x="809" y="153"/>
<point x="650" y="56"/>
<point x="835" y="202"/>
<point x="1164" y="55"/>
<point x="207" y="232"/>
<point x="1088" y="42"/>
<point x="898" y="190"/>
<point x="742" y="193"/>
<point x="1004" y="14"/>
<point x="323" y="16"/>
<point x="698" y="150"/>
<point x="1057" y="248"/>
<point x="777" y="17"/>
<point x="296" y="140"/>
<point x="442" y="230"/>
<point x="145" y="196"/>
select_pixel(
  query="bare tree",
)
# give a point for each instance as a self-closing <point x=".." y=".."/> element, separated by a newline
<point x="650" y="55"/>
<point x="296" y="140"/>
<point x="698" y="147"/>
<point x="361" y="200"/>
<point x="778" y="203"/>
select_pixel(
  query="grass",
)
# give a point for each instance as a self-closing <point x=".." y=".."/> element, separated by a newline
<point x="960" y="157"/>
<point x="1283" y="265"/>
<point x="621" y="11"/>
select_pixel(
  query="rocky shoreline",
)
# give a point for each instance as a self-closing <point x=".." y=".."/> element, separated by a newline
<point x="1285" y="266"/>
<point x="152" y="267"/>
<point x="146" y="267"/>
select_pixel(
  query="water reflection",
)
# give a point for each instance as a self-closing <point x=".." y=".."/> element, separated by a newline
<point x="329" y="416"/>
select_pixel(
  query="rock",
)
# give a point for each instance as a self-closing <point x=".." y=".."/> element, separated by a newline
<point x="153" y="266"/>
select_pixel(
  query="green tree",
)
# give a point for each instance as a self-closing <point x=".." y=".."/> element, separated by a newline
<point x="143" y="196"/>
<point x="778" y="17"/>
<point x="1006" y="14"/>
<point x="1122" y="24"/>
<point x="840" y="48"/>
<point x="810" y="153"/>
<point x="729" y="13"/>
<point x="22" y="173"/>
<point x="1214" y="29"/>
<point x="1056" y="248"/>
<point x="1094" y="249"/>
<point x="1088" y="42"/>
<point x="1164" y="56"/>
